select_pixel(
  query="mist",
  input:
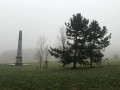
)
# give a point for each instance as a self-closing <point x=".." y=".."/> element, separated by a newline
<point x="45" y="17"/>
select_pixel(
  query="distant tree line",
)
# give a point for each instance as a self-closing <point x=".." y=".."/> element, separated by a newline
<point x="81" y="42"/>
<point x="116" y="56"/>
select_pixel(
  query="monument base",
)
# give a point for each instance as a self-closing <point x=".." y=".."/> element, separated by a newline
<point x="18" y="64"/>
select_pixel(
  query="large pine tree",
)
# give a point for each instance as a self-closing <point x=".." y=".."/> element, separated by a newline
<point x="76" y="29"/>
<point x="96" y="41"/>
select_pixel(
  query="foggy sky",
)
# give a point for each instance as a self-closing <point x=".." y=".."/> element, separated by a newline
<point x="45" y="17"/>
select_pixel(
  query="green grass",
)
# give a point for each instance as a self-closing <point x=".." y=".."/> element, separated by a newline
<point x="102" y="77"/>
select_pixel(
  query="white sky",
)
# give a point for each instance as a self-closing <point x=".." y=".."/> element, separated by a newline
<point x="45" y="17"/>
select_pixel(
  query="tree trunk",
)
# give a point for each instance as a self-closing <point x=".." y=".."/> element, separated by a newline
<point x="63" y="64"/>
<point x="40" y="64"/>
<point x="91" y="62"/>
<point x="75" y="57"/>
<point x="37" y="67"/>
<point x="74" y="64"/>
<point x="46" y="64"/>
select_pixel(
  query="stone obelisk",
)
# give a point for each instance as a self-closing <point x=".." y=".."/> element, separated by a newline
<point x="19" y="51"/>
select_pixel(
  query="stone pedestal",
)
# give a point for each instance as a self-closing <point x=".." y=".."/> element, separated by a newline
<point x="18" y="61"/>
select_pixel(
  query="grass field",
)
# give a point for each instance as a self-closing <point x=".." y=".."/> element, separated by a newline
<point x="102" y="77"/>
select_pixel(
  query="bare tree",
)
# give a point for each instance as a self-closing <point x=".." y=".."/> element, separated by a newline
<point x="46" y="56"/>
<point x="62" y="39"/>
<point x="40" y="46"/>
<point x="42" y="53"/>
